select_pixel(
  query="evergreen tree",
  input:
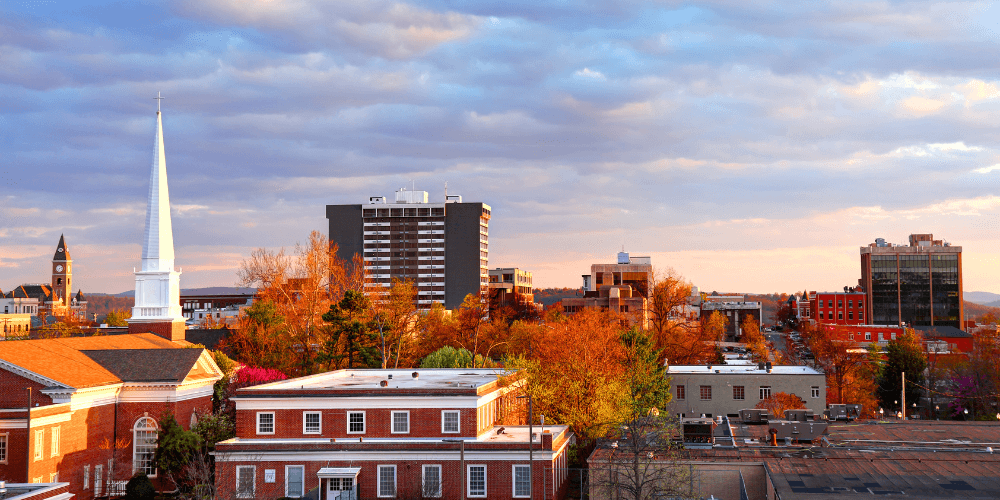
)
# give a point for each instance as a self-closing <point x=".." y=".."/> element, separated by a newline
<point x="905" y="354"/>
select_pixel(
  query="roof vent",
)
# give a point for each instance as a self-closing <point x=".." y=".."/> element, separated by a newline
<point x="384" y="383"/>
<point x="390" y="376"/>
<point x="416" y="375"/>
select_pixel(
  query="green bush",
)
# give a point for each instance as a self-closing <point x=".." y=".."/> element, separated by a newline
<point x="140" y="488"/>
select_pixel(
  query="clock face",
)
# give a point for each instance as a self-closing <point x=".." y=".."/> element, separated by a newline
<point x="59" y="268"/>
<point x="60" y="249"/>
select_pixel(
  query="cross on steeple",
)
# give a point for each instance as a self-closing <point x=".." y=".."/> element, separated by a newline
<point x="158" y="99"/>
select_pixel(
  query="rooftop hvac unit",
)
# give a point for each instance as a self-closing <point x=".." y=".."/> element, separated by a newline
<point x="843" y="412"/>
<point x="799" y="415"/>
<point x="800" y="431"/>
<point x="623" y="258"/>
<point x="698" y="432"/>
<point x="754" y="416"/>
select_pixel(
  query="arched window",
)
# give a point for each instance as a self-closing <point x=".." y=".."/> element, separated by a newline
<point x="144" y="446"/>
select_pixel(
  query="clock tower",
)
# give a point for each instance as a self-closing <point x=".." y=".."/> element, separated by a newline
<point x="62" y="274"/>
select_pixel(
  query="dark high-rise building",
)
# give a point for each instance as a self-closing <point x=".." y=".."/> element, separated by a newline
<point x="441" y="247"/>
<point x="919" y="284"/>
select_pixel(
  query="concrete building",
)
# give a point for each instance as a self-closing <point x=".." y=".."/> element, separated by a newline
<point x="431" y="433"/>
<point x="724" y="390"/>
<point x="623" y="287"/>
<point x="195" y="305"/>
<point x="919" y="284"/>
<point x="15" y="325"/>
<point x="442" y="247"/>
<point x="735" y="308"/>
<point x="510" y="285"/>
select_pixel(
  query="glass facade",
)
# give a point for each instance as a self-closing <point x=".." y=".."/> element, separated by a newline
<point x="919" y="289"/>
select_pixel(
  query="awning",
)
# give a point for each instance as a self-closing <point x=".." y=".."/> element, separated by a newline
<point x="328" y="472"/>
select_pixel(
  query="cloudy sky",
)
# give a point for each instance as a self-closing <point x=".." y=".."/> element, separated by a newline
<point x="751" y="146"/>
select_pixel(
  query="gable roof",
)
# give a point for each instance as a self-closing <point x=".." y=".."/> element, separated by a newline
<point x="40" y="292"/>
<point x="942" y="331"/>
<point x="146" y="365"/>
<point x="80" y="362"/>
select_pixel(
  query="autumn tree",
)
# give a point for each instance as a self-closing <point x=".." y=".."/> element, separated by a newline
<point x="779" y="402"/>
<point x="118" y="317"/>
<point x="754" y="339"/>
<point x="669" y="297"/>
<point x="302" y="285"/>
<point x="395" y="314"/>
<point x="470" y="319"/>
<point x="840" y="360"/>
<point x="904" y="354"/>
<point x="261" y="338"/>
<point x="715" y="326"/>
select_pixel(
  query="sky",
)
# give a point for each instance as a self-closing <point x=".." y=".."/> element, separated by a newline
<point x="750" y="146"/>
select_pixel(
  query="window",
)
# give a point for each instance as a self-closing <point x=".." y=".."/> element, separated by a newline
<point x="850" y="336"/>
<point x="144" y="446"/>
<point x="55" y="442"/>
<point x="294" y="475"/>
<point x="86" y="477"/>
<point x="400" y="422"/>
<point x="246" y="480"/>
<point x="265" y="422"/>
<point x="868" y="335"/>
<point x="840" y="304"/>
<point x="706" y="392"/>
<point x="311" y="422"/>
<point x="98" y="480"/>
<point x="386" y="481"/>
<point x="850" y="304"/>
<point x="893" y="335"/>
<point x="477" y="480"/>
<point x="449" y="421"/>
<point x="829" y="303"/>
<point x="815" y="391"/>
<point x="881" y="335"/>
<point x="54" y="477"/>
<point x="738" y="392"/>
<point x="522" y="481"/>
<point x="840" y="314"/>
<point x="850" y="314"/>
<point x="3" y="448"/>
<point x="39" y="444"/>
<point x="431" y="481"/>
<point x="355" y="422"/>
<point x="681" y="393"/>
<point x="765" y="392"/>
<point x="340" y="484"/>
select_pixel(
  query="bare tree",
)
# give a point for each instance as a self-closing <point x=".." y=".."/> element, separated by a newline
<point x="641" y="462"/>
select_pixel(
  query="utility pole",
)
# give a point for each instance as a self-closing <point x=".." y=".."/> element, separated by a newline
<point x="902" y="397"/>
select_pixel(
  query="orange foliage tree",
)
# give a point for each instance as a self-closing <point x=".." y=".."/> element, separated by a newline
<point x="778" y="403"/>
<point x="849" y="375"/>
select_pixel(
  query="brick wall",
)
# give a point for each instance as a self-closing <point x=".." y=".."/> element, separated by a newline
<point x="499" y="477"/>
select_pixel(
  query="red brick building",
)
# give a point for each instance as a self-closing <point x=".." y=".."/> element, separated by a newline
<point x="85" y="410"/>
<point x="433" y="433"/>
<point x="837" y="308"/>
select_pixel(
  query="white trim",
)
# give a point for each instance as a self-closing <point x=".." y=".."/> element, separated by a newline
<point x="274" y="423"/>
<point x="51" y="419"/>
<point x="305" y="429"/>
<point x="86" y="477"/>
<point x="392" y="422"/>
<point x="39" y="445"/>
<point x="253" y="481"/>
<point x="6" y="447"/>
<point x="364" y="422"/>
<point x="20" y="423"/>
<point x="468" y="480"/>
<point x="303" y="477"/>
<point x="513" y="480"/>
<point x="292" y="402"/>
<point x="423" y="480"/>
<point x="54" y="442"/>
<point x="459" y="430"/>
<point x="28" y="374"/>
<point x="137" y="429"/>
<point x="378" y="481"/>
<point x="374" y="456"/>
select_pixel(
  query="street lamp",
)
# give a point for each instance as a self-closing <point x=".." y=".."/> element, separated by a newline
<point x="881" y="414"/>
<point x="531" y="432"/>
<point x="937" y="412"/>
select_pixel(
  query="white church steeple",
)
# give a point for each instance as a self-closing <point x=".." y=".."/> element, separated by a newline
<point x="157" y="285"/>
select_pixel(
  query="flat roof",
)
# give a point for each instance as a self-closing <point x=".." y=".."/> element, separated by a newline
<point x="741" y="370"/>
<point x="427" y="378"/>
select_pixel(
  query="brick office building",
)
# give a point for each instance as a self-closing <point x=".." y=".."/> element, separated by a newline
<point x="85" y="410"/>
<point x="837" y="308"/>
<point x="435" y="433"/>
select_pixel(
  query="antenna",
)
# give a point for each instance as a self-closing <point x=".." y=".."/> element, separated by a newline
<point x="445" y="190"/>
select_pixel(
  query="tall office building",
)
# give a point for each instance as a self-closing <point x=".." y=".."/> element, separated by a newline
<point x="919" y="284"/>
<point x="441" y="247"/>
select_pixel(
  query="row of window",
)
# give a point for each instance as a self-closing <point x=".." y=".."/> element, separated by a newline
<point x="840" y="315"/>
<point x="431" y="481"/>
<point x="868" y="335"/>
<point x="739" y="392"/>
<point x="40" y="444"/>
<point x="312" y="422"/>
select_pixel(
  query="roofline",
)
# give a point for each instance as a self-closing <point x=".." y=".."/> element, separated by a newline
<point x="11" y="367"/>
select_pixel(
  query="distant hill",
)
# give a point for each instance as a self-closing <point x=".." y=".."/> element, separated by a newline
<point x="212" y="290"/>
<point x="985" y="298"/>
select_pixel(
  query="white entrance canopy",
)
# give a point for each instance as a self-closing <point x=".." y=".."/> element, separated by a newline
<point x="338" y="483"/>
